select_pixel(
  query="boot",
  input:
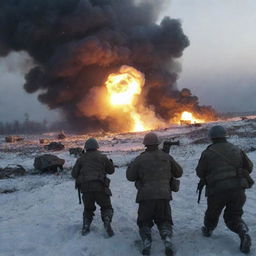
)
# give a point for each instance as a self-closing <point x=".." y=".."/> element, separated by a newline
<point x="106" y="215"/>
<point x="206" y="231"/>
<point x="168" y="246"/>
<point x="245" y="243"/>
<point x="245" y="240"/>
<point x="86" y="226"/>
<point x="146" y="246"/>
<point x="165" y="230"/>
<point x="108" y="228"/>
<point x="145" y="234"/>
<point x="85" y="229"/>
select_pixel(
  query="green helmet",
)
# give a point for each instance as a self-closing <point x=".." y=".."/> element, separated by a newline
<point x="151" y="139"/>
<point x="217" y="132"/>
<point x="91" y="144"/>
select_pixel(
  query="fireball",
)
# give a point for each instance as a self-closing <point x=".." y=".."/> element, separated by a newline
<point x="122" y="88"/>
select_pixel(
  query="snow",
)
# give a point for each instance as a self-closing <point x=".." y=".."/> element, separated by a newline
<point x="43" y="217"/>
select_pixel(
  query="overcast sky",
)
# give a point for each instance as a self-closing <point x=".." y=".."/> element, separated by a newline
<point x="219" y="65"/>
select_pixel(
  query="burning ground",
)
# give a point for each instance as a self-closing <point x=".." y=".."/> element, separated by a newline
<point x="42" y="216"/>
<point x="78" y="45"/>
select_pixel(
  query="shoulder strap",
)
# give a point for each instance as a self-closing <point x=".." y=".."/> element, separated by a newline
<point x="223" y="157"/>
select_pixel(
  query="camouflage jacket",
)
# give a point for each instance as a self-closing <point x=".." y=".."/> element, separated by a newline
<point x="219" y="167"/>
<point x="90" y="171"/>
<point x="153" y="170"/>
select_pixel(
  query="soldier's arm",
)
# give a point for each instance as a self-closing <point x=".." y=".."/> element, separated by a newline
<point x="176" y="169"/>
<point x="132" y="171"/>
<point x="202" y="166"/>
<point x="247" y="163"/>
<point x="109" y="166"/>
<point x="76" y="169"/>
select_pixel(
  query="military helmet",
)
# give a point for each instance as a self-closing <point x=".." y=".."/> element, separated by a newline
<point x="91" y="144"/>
<point x="151" y="139"/>
<point x="217" y="132"/>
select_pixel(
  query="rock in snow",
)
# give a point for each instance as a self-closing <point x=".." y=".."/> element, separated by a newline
<point x="55" y="146"/>
<point x="11" y="139"/>
<point x="48" y="163"/>
<point x="11" y="171"/>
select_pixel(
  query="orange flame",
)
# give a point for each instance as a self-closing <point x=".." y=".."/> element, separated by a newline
<point x="188" y="118"/>
<point x="123" y="87"/>
<point x="121" y="102"/>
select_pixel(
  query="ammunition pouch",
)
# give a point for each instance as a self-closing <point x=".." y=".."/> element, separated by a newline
<point x="174" y="184"/>
<point x="244" y="174"/>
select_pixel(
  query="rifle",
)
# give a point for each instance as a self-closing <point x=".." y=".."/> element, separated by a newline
<point x="78" y="187"/>
<point x="199" y="189"/>
<point x="167" y="145"/>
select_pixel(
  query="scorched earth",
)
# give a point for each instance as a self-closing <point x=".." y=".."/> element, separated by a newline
<point x="43" y="217"/>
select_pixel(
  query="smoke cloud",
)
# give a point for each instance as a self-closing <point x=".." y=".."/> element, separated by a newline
<point x="76" y="44"/>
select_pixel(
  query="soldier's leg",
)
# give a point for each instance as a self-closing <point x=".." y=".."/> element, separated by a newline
<point x="103" y="200"/>
<point x="215" y="205"/>
<point x="233" y="219"/>
<point x="145" y="223"/>
<point x="89" y="208"/>
<point x="163" y="219"/>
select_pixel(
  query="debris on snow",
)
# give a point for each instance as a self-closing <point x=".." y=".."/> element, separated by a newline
<point x="61" y="136"/>
<point x="12" y="139"/>
<point x="48" y="163"/>
<point x="44" y="141"/>
<point x="55" y="146"/>
<point x="7" y="191"/>
<point x="11" y="171"/>
<point x="77" y="152"/>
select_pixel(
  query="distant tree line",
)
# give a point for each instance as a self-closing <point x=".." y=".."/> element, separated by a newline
<point x="23" y="127"/>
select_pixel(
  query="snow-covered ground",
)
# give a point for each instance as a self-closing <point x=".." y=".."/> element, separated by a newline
<point x="43" y="217"/>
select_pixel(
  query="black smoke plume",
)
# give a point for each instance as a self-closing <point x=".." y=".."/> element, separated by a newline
<point x="75" y="44"/>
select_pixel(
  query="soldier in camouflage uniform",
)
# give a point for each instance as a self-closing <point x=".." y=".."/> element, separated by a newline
<point x="225" y="169"/>
<point x="152" y="171"/>
<point x="90" y="173"/>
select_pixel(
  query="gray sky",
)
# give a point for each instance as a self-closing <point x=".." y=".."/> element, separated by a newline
<point x="218" y="66"/>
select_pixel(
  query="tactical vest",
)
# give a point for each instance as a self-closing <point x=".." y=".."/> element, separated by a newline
<point x="154" y="176"/>
<point x="93" y="168"/>
<point x="224" y="160"/>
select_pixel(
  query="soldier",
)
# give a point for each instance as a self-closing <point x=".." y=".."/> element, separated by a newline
<point x="225" y="169"/>
<point x="90" y="173"/>
<point x="152" y="171"/>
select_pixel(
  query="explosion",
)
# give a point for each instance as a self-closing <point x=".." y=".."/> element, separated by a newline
<point x="125" y="85"/>
<point x="122" y="90"/>
<point x="78" y="47"/>
<point x="188" y="118"/>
